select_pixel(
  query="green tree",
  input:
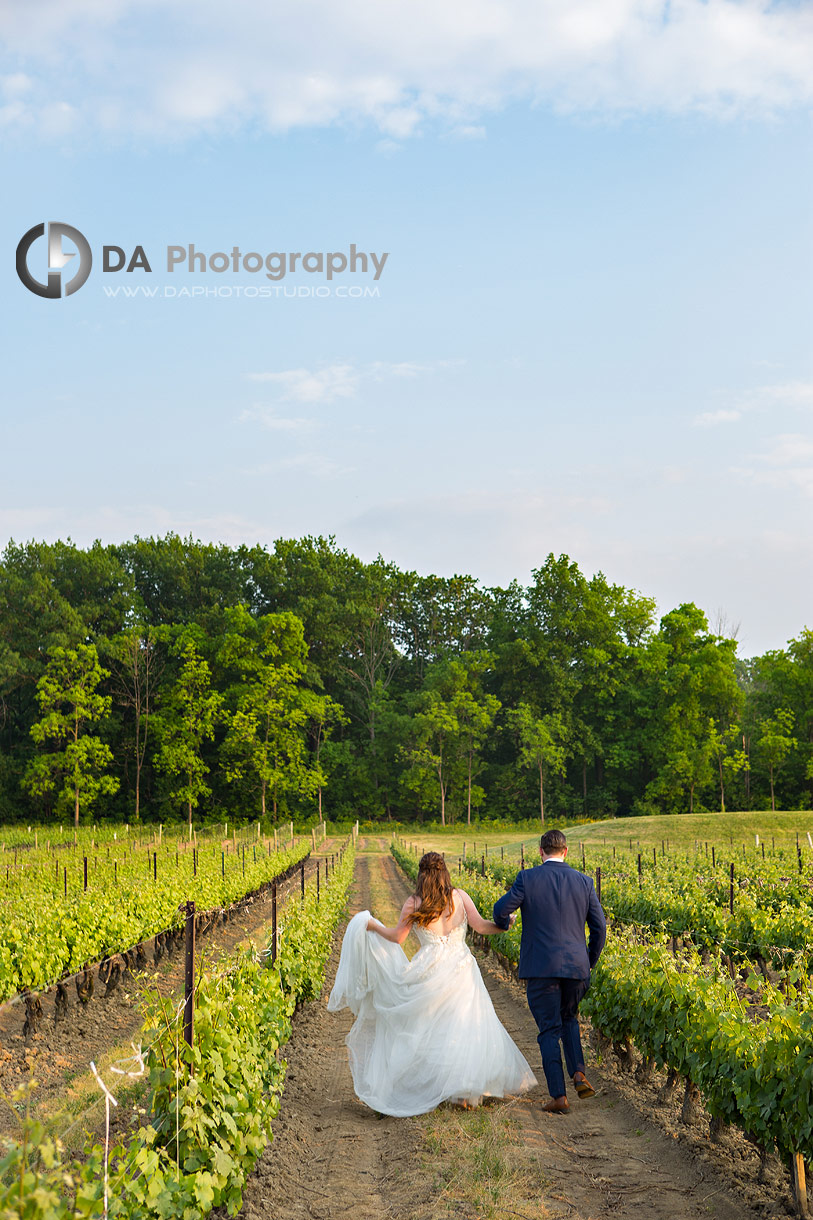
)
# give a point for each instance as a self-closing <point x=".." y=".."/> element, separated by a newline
<point x="435" y="734"/>
<point x="475" y="711"/>
<point x="267" y="731"/>
<point x="541" y="745"/>
<point x="731" y="758"/>
<point x="695" y="678"/>
<point x="323" y="716"/>
<point x="71" y="705"/>
<point x="137" y="665"/>
<point x="775" y="743"/>
<point x="570" y="645"/>
<point x="187" y="719"/>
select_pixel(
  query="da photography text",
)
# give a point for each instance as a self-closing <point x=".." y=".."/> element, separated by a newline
<point x="40" y="263"/>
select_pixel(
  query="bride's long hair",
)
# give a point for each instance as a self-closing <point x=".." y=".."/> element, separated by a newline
<point x="433" y="889"/>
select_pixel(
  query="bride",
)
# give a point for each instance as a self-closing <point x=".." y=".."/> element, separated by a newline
<point x="425" y="1030"/>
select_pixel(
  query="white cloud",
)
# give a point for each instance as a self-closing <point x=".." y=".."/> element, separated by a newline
<point x="322" y="385"/>
<point x="269" y="419"/>
<point x="788" y="394"/>
<point x="509" y="532"/>
<point x="316" y="465"/>
<point x="710" y="418"/>
<point x="786" y="464"/>
<point x="199" y="65"/>
<point x="15" y="85"/>
<point x="334" y="381"/>
<point x="789" y="449"/>
<point x="116" y="523"/>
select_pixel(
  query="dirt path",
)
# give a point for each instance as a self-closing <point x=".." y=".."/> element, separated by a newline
<point x="619" y="1154"/>
<point x="331" y="1156"/>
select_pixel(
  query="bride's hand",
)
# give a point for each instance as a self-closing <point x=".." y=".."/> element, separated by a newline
<point x="512" y="919"/>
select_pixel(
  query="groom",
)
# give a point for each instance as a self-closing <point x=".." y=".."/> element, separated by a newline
<point x="556" y="903"/>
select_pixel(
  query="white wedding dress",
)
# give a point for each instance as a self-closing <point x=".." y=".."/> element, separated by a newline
<point x="425" y="1030"/>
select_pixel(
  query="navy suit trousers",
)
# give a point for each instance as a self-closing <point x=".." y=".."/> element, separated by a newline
<point x="554" y="1004"/>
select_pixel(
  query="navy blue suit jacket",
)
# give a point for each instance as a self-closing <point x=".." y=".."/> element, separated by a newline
<point x="556" y="903"/>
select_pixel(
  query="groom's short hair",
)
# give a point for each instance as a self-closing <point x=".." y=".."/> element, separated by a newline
<point x="552" y="842"/>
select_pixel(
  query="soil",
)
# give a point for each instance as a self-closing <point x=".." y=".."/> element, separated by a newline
<point x="59" y="1053"/>
<point x="622" y="1153"/>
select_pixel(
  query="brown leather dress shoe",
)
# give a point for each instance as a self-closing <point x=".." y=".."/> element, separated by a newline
<point x="583" y="1086"/>
<point x="557" y="1105"/>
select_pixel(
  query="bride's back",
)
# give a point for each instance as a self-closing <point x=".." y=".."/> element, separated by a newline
<point x="449" y="920"/>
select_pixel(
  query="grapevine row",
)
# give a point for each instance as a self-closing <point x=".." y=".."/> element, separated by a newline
<point x="129" y="898"/>
<point x="210" y="1106"/>
<point x="678" y="901"/>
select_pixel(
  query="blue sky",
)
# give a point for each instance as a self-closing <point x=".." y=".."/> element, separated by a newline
<point x="593" y="329"/>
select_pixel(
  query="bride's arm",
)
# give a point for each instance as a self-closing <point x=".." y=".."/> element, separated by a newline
<point x="485" y="926"/>
<point x="402" y="929"/>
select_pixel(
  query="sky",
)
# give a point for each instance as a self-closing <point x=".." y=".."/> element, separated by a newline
<point x="591" y="333"/>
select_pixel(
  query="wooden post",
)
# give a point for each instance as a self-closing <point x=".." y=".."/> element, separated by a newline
<point x="302" y="879"/>
<point x="318" y="887"/>
<point x="273" y="921"/>
<point x="799" y="1185"/>
<point x="731" y="891"/>
<point x="640" y="871"/>
<point x="85" y="863"/>
<point x="713" y="857"/>
<point x="522" y="855"/>
<point x="598" y="882"/>
<point x="155" y="866"/>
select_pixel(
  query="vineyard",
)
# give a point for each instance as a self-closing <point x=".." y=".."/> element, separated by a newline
<point x="208" y="1099"/>
<point x="705" y="974"/>
<point x="64" y="905"/>
<point x="703" y="983"/>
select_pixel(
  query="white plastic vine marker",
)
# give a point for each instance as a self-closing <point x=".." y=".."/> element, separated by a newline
<point x="108" y="1098"/>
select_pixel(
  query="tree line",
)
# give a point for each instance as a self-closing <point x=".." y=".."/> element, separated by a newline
<point x="167" y="678"/>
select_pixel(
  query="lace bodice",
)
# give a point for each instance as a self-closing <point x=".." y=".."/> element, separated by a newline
<point x="457" y="934"/>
